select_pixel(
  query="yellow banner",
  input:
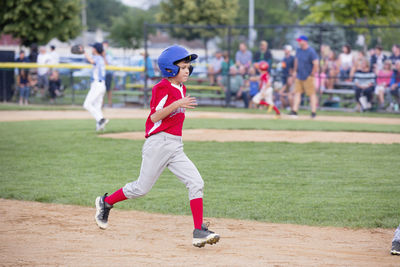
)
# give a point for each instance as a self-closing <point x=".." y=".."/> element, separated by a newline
<point x="10" y="65"/>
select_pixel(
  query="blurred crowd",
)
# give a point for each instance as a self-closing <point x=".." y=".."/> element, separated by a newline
<point x="374" y="75"/>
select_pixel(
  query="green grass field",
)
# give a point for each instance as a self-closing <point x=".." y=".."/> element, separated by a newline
<point x="351" y="185"/>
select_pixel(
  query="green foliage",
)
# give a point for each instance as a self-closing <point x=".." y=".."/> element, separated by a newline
<point x="272" y="12"/>
<point x="127" y="28"/>
<point x="100" y="12"/>
<point x="351" y="12"/>
<point x="41" y="20"/>
<point x="198" y="12"/>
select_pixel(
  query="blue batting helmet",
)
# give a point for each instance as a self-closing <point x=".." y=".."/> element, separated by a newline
<point x="170" y="56"/>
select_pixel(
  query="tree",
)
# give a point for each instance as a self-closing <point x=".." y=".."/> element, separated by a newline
<point x="271" y="12"/>
<point x="100" y="13"/>
<point x="352" y="12"/>
<point x="198" y="12"/>
<point x="40" y="21"/>
<point x="360" y="13"/>
<point x="127" y="29"/>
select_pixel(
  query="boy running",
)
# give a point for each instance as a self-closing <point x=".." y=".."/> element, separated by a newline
<point x="163" y="146"/>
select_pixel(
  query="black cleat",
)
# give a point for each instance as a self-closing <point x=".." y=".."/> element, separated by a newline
<point x="395" y="248"/>
<point x="102" y="212"/>
<point x="204" y="236"/>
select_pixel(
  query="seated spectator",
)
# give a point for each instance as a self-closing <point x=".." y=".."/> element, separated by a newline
<point x="253" y="84"/>
<point x="377" y="59"/>
<point x="54" y="85"/>
<point x="264" y="54"/>
<point x="359" y="58"/>
<point x="395" y="86"/>
<point x="243" y="57"/>
<point x="22" y="58"/>
<point x="225" y="66"/>
<point x="287" y="65"/>
<point x="345" y="63"/>
<point x="383" y="81"/>
<point x="331" y="69"/>
<point x="214" y="69"/>
<point x="395" y="54"/>
<point x="364" y="81"/>
<point x="237" y="86"/>
<point x="320" y="81"/>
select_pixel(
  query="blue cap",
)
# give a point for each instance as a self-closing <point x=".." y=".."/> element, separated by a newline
<point x="302" y="38"/>
<point x="98" y="47"/>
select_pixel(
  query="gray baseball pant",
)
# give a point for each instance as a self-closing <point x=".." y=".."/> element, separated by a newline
<point x="159" y="151"/>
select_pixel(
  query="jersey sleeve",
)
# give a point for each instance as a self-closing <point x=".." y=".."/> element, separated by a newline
<point x="159" y="98"/>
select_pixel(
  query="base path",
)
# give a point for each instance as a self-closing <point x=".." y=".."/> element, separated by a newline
<point x="221" y="135"/>
<point x="121" y="113"/>
<point x="39" y="234"/>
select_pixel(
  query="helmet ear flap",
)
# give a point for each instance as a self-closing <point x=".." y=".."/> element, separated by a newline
<point x="190" y="69"/>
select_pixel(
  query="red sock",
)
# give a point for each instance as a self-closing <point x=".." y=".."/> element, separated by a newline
<point x="262" y="102"/>
<point x="197" y="211"/>
<point x="276" y="110"/>
<point x="115" y="197"/>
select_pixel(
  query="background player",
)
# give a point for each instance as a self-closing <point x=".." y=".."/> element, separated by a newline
<point x="163" y="146"/>
<point x="94" y="99"/>
<point x="266" y="94"/>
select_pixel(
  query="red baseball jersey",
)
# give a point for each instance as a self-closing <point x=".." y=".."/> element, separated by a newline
<point x="264" y="79"/>
<point x="164" y="94"/>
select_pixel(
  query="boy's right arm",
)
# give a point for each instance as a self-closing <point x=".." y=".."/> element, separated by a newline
<point x="186" y="102"/>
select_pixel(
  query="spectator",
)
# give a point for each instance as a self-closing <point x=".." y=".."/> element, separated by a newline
<point x="345" y="63"/>
<point x="253" y="84"/>
<point x="286" y="95"/>
<point x="54" y="85"/>
<point x="264" y="54"/>
<point x="22" y="58"/>
<point x="214" y="69"/>
<point x="43" y="80"/>
<point x="383" y="81"/>
<point x="23" y="83"/>
<point x="305" y="67"/>
<point x="377" y="59"/>
<point x="108" y="59"/>
<point x="237" y="87"/>
<point x="243" y="57"/>
<point x="331" y="69"/>
<point x="364" y="81"/>
<point x="395" y="86"/>
<point x="357" y="62"/>
<point x="33" y="53"/>
<point x="226" y="64"/>
<point x="395" y="54"/>
<point x="54" y="58"/>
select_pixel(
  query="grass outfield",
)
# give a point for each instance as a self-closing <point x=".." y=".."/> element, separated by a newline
<point x="352" y="185"/>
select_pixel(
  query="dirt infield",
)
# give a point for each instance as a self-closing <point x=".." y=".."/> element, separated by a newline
<point x="25" y="115"/>
<point x="38" y="234"/>
<point x="274" y="136"/>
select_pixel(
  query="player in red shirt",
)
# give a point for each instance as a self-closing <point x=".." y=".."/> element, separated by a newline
<point x="163" y="146"/>
<point x="265" y="95"/>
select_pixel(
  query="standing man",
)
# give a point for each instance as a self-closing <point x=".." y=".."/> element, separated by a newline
<point x="109" y="73"/>
<point x="94" y="99"/>
<point x="43" y="79"/>
<point x="286" y="95"/>
<point x="54" y="57"/>
<point x="305" y="67"/>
